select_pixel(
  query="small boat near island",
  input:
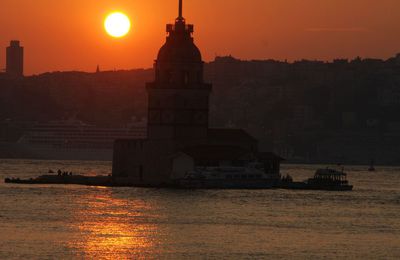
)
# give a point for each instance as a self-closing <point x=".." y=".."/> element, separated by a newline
<point x="324" y="179"/>
<point x="372" y="166"/>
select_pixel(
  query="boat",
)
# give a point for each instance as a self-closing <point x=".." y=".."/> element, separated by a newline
<point x="72" y="140"/>
<point x="329" y="179"/>
<point x="249" y="177"/>
<point x="324" y="179"/>
<point x="372" y="166"/>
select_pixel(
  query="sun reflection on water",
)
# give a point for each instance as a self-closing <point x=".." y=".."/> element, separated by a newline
<point x="112" y="228"/>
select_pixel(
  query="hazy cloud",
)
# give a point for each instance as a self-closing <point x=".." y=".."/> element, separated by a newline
<point x="339" y="29"/>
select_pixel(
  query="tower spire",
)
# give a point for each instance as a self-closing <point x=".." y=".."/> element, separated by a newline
<point x="180" y="9"/>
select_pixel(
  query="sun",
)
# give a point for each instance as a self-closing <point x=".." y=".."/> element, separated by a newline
<point x="117" y="24"/>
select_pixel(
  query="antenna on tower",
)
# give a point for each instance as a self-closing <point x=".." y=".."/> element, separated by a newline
<point x="180" y="9"/>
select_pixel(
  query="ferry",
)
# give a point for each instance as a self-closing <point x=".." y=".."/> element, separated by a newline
<point x="249" y="177"/>
<point x="329" y="179"/>
<point x="324" y="179"/>
<point x="72" y="140"/>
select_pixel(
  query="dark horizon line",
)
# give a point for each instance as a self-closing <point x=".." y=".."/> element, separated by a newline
<point x="233" y="58"/>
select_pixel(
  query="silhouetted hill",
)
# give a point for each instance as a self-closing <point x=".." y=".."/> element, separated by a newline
<point x="348" y="109"/>
<point x="298" y="109"/>
<point x="106" y="98"/>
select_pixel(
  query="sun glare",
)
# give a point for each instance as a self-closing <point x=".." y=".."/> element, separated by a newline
<point x="117" y="24"/>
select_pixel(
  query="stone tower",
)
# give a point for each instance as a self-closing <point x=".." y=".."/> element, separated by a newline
<point x="178" y="99"/>
<point x="178" y="113"/>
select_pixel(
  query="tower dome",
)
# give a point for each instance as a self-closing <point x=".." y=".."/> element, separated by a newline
<point x="179" y="60"/>
<point x="179" y="46"/>
<point x="179" y="49"/>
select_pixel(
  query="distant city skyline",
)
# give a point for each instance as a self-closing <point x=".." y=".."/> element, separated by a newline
<point x="68" y="35"/>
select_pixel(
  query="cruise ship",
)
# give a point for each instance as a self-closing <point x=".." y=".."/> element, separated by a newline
<point x="72" y="140"/>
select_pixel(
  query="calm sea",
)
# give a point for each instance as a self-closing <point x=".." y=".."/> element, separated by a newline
<point x="65" y="222"/>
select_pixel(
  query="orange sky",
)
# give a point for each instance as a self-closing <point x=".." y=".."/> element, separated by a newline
<point x="69" y="34"/>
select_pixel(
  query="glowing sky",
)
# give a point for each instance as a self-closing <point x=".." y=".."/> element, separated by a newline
<point x="69" y="34"/>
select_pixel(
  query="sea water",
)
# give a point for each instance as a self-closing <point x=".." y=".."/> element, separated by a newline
<point x="76" y="222"/>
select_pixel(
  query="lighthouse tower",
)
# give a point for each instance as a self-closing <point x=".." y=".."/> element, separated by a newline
<point x="178" y="133"/>
<point x="178" y="106"/>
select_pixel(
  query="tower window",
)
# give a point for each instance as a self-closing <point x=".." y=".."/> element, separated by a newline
<point x="141" y="172"/>
<point x="168" y="76"/>
<point x="199" y="77"/>
<point x="185" y="77"/>
<point x="157" y="74"/>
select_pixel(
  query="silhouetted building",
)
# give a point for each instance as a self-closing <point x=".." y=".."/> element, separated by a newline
<point x="15" y="59"/>
<point x="178" y="120"/>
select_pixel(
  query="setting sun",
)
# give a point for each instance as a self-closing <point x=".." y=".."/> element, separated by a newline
<point x="117" y="24"/>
